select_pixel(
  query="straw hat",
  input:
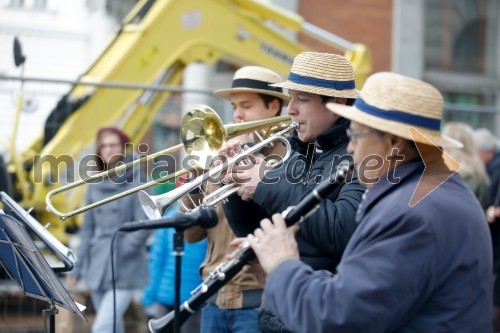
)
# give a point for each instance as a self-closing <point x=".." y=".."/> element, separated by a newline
<point x="323" y="74"/>
<point x="254" y="79"/>
<point x="394" y="103"/>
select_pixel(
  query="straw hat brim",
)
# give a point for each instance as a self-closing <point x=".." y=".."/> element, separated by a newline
<point x="226" y="93"/>
<point x="393" y="127"/>
<point x="350" y="93"/>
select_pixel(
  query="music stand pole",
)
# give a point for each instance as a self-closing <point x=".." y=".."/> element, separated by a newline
<point x="178" y="253"/>
<point x="51" y="313"/>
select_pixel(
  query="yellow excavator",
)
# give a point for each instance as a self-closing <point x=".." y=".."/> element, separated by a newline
<point x="154" y="44"/>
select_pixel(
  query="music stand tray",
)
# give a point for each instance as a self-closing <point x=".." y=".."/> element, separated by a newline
<point x="25" y="264"/>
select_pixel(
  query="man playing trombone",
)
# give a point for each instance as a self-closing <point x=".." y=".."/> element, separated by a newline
<point x="319" y="145"/>
<point x="233" y="308"/>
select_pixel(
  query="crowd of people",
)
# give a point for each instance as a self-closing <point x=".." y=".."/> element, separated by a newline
<point x="411" y="243"/>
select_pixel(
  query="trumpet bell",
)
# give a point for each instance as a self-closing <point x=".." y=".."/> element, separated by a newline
<point x="148" y="203"/>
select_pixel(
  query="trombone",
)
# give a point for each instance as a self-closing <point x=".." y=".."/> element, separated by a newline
<point x="202" y="134"/>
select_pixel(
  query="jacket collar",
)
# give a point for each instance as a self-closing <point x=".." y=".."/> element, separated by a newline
<point x="335" y="136"/>
<point x="330" y="139"/>
<point x="379" y="190"/>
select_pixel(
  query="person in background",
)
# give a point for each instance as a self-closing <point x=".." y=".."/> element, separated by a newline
<point x="471" y="167"/>
<point x="493" y="211"/>
<point x="420" y="259"/>
<point x="234" y="307"/>
<point x="159" y="294"/>
<point x="98" y="227"/>
<point x="488" y="147"/>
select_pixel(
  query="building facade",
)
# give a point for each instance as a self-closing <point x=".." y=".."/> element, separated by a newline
<point x="452" y="44"/>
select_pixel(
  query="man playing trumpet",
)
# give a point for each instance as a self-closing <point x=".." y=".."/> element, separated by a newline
<point x="319" y="145"/>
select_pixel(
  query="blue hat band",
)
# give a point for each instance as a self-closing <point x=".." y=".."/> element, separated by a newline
<point x="399" y="116"/>
<point x="322" y="83"/>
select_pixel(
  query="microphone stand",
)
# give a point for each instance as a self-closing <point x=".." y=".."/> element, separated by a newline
<point x="178" y="253"/>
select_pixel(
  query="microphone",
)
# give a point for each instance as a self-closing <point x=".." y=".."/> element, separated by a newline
<point x="205" y="218"/>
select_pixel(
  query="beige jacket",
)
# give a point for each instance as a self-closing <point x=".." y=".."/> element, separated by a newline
<point x="243" y="290"/>
<point x="218" y="248"/>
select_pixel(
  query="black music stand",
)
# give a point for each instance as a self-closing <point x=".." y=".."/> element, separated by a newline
<point x="65" y="255"/>
<point x="25" y="264"/>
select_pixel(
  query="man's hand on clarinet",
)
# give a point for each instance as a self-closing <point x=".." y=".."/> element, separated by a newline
<point x="274" y="242"/>
<point x="254" y="268"/>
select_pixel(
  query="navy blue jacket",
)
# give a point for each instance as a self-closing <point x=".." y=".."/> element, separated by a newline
<point x="425" y="268"/>
<point x="323" y="236"/>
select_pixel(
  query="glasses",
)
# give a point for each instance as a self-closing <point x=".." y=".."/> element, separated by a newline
<point x="353" y="136"/>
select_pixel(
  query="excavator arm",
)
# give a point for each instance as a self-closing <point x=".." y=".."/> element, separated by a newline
<point x="156" y="41"/>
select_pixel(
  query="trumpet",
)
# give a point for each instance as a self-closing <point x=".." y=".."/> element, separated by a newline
<point x="202" y="134"/>
<point x="155" y="206"/>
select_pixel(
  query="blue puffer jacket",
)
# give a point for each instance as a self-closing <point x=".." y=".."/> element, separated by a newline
<point x="323" y="236"/>
<point x="162" y="267"/>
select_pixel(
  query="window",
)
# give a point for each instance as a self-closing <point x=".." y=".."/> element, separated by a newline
<point x="457" y="33"/>
<point x="460" y="48"/>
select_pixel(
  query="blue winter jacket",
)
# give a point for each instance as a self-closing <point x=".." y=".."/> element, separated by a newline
<point x="425" y="268"/>
<point x="162" y="267"/>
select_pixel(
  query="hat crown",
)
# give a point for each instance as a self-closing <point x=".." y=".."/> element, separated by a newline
<point x="399" y="105"/>
<point x="254" y="79"/>
<point x="326" y="66"/>
<point x="395" y="92"/>
<point x="257" y="73"/>
<point x="322" y="74"/>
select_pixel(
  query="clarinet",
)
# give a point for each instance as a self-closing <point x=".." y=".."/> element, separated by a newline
<point x="224" y="272"/>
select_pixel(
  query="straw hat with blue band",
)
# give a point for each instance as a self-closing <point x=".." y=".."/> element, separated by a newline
<point x="394" y="103"/>
<point x="254" y="79"/>
<point x="323" y="74"/>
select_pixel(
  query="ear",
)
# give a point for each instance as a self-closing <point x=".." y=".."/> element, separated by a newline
<point x="274" y="107"/>
<point x="339" y="100"/>
<point x="397" y="142"/>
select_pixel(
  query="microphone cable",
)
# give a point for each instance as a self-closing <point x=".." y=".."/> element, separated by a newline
<point x="113" y="279"/>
